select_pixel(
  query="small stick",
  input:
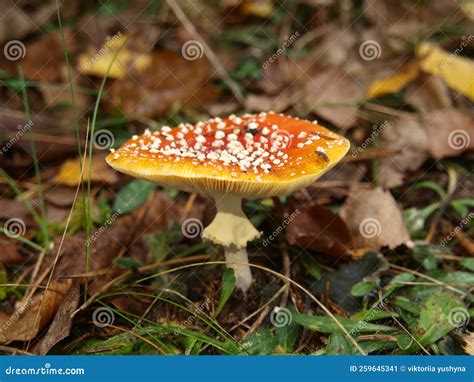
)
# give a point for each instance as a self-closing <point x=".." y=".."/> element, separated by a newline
<point x="188" y="25"/>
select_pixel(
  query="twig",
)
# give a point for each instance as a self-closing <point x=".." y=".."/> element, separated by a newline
<point x="220" y="70"/>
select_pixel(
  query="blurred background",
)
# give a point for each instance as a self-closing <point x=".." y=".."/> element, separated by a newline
<point x="78" y="78"/>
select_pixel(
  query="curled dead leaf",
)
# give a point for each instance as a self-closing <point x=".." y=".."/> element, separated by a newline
<point x="29" y="319"/>
<point x="318" y="229"/>
<point x="374" y="219"/>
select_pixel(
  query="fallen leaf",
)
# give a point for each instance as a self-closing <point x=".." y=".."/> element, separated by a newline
<point x="28" y="320"/>
<point x="70" y="172"/>
<point x="114" y="59"/>
<point x="318" y="229"/>
<point x="427" y="93"/>
<point x="338" y="285"/>
<point x="60" y="196"/>
<point x="469" y="343"/>
<point x="9" y="254"/>
<point x="456" y="71"/>
<point x="169" y="80"/>
<point x="374" y="218"/>
<point x="62" y="323"/>
<point x="395" y="82"/>
<point x="333" y="95"/>
<point x="260" y="8"/>
<point x="407" y="137"/>
<point x="112" y="239"/>
<point x="450" y="132"/>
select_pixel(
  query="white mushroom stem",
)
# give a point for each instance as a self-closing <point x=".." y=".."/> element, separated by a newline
<point x="233" y="230"/>
<point x="238" y="260"/>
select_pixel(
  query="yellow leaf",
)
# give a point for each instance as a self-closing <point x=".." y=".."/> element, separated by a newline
<point x="259" y="8"/>
<point x="97" y="63"/>
<point x="70" y="172"/>
<point x="456" y="71"/>
<point x="395" y="82"/>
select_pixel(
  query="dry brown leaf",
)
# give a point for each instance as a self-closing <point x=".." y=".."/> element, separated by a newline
<point x="450" y="132"/>
<point x="428" y="92"/>
<point x="62" y="323"/>
<point x="28" y="320"/>
<point x="408" y="138"/>
<point x="318" y="229"/>
<point x="333" y="95"/>
<point x="70" y="172"/>
<point x="469" y="343"/>
<point x="123" y="236"/>
<point x="374" y="219"/>
<point x="9" y="254"/>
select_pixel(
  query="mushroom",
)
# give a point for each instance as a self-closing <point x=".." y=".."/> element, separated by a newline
<point x="254" y="155"/>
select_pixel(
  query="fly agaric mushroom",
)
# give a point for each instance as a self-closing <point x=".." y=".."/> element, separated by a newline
<point x="254" y="155"/>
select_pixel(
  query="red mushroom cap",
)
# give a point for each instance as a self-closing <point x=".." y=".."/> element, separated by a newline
<point x="263" y="154"/>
